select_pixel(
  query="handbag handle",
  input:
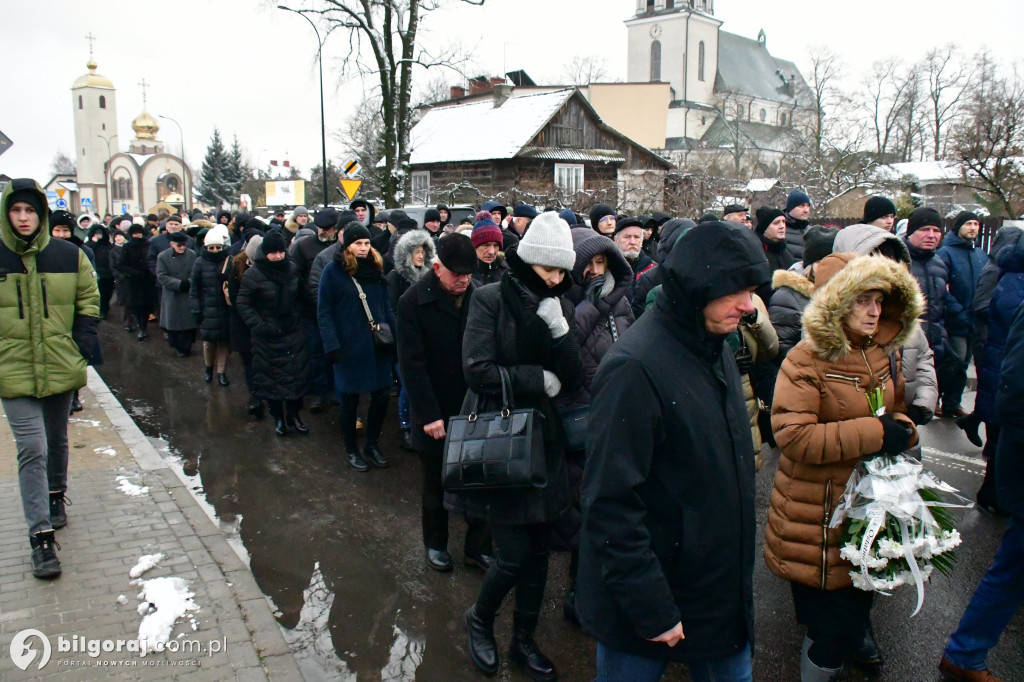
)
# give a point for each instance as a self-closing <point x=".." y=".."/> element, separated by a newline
<point x="506" y="396"/>
<point x="366" y="307"/>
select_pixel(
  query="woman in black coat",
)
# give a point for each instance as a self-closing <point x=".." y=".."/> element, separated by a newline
<point x="240" y="336"/>
<point x="210" y="305"/>
<point x="99" y="242"/>
<point x="522" y="325"/>
<point x="137" y="282"/>
<point x="268" y="301"/>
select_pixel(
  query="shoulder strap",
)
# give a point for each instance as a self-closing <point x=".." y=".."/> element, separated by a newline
<point x="892" y="367"/>
<point x="366" y="307"/>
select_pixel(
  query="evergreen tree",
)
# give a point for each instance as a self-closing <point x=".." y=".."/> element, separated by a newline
<point x="237" y="170"/>
<point x="214" y="178"/>
<point x="315" y="186"/>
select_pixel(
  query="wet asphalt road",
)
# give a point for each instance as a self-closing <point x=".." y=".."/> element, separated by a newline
<point x="340" y="555"/>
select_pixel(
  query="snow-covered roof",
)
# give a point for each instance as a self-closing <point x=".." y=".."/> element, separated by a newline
<point x="761" y="184"/>
<point x="925" y="171"/>
<point x="479" y="131"/>
<point x="68" y="185"/>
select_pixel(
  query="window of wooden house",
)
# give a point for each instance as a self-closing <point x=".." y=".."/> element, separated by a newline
<point x="569" y="177"/>
<point x="420" y="187"/>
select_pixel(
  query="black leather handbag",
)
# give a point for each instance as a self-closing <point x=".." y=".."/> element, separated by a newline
<point x="383" y="338"/>
<point x="495" y="450"/>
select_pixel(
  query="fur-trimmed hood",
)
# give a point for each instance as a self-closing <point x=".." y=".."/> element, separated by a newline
<point x="793" y="280"/>
<point x="831" y="303"/>
<point x="404" y="250"/>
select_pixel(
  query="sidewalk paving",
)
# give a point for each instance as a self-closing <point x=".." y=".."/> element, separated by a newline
<point x="234" y="634"/>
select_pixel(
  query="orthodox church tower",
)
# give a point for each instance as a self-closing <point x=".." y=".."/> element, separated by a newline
<point x="94" y="103"/>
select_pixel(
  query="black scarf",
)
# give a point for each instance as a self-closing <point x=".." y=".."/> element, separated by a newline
<point x="215" y="256"/>
<point x="521" y="291"/>
<point x="277" y="272"/>
<point x="367" y="271"/>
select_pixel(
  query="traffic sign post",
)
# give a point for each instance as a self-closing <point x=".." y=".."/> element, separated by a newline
<point x="86" y="202"/>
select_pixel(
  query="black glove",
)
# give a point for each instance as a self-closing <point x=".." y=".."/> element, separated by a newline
<point x="919" y="415"/>
<point x="333" y="356"/>
<point x="185" y="286"/>
<point x="896" y="436"/>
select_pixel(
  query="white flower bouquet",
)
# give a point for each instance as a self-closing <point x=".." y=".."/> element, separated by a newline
<point x="898" y="523"/>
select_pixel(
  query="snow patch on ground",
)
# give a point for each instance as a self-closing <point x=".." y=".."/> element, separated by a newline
<point x="145" y="563"/>
<point x="129" y="488"/>
<point x="87" y="422"/>
<point x="163" y="602"/>
<point x="105" y="450"/>
<point x="122" y="600"/>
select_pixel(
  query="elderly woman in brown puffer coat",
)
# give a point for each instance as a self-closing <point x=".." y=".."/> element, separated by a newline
<point x="863" y="310"/>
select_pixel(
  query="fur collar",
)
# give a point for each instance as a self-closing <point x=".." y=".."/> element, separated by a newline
<point x="409" y="242"/>
<point x="793" y="280"/>
<point x="823" y="318"/>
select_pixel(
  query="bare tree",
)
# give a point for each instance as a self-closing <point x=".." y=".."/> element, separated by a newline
<point x="891" y="92"/>
<point x="389" y="30"/>
<point x="584" y="71"/>
<point x="62" y="164"/>
<point x="988" y="140"/>
<point x="363" y="139"/>
<point x="947" y="77"/>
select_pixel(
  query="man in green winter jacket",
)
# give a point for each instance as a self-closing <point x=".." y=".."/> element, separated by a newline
<point x="49" y="310"/>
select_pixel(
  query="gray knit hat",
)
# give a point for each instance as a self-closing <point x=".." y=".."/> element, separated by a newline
<point x="548" y="242"/>
<point x="299" y="210"/>
<point x="252" y="248"/>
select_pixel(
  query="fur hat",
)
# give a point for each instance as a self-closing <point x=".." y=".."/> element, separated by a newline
<point x="548" y="243"/>
<point x="218" y="234"/>
<point x="877" y="207"/>
<point x="457" y="253"/>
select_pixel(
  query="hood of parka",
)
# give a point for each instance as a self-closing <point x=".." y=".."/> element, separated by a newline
<point x="7" y="233"/>
<point x="833" y="300"/>
<point x="404" y="250"/>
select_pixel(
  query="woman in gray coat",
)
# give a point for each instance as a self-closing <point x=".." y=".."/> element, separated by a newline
<point x="173" y="272"/>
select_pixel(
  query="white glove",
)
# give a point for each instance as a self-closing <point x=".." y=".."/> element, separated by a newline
<point x="550" y="310"/>
<point x="552" y="386"/>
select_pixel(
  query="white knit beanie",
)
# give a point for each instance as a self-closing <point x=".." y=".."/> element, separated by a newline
<point x="218" y="234"/>
<point x="548" y="242"/>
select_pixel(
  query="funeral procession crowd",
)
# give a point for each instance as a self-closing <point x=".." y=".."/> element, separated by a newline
<point x="594" y="383"/>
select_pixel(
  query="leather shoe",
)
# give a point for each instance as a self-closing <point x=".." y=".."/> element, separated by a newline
<point x="222" y="379"/>
<point x="482" y="649"/>
<point x="76" y="404"/>
<point x="481" y="561"/>
<point x="143" y="335"/>
<point x="867" y="654"/>
<point x="295" y="422"/>
<point x="374" y="456"/>
<point x="953" y="412"/>
<point x="439" y="560"/>
<point x="524" y="652"/>
<point x="208" y="374"/>
<point x="356" y="461"/>
<point x="958" y="674"/>
<point x="280" y="428"/>
<point x="969" y="424"/>
<point x="316" y="404"/>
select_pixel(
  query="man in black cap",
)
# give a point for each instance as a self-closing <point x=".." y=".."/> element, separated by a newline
<point x="629" y="237"/>
<point x="880" y="212"/>
<point x="304" y="251"/>
<point x="923" y="237"/>
<point x="667" y="545"/>
<point x="522" y="216"/>
<point x="432" y="223"/>
<point x="734" y="213"/>
<point x="364" y="211"/>
<point x="431" y="322"/>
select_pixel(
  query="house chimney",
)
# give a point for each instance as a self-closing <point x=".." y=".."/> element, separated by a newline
<point x="479" y="85"/>
<point x="457" y="92"/>
<point x="501" y="93"/>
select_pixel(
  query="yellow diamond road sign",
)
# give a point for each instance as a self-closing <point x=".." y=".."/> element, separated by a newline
<point x="350" y="187"/>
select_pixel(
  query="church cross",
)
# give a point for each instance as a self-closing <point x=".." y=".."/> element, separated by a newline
<point x="91" y="39"/>
<point x="143" y="84"/>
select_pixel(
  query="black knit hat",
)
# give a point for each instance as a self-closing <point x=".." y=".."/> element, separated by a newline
<point x="61" y="218"/>
<point x="877" y="207"/>
<point x="924" y="217"/>
<point x="431" y="214"/>
<point x="818" y="243"/>
<point x="354" y="231"/>
<point x="457" y="253"/>
<point x="405" y="224"/>
<point x="273" y="243"/>
<point x="961" y="218"/>
<point x="765" y="216"/>
<point x="26" y="191"/>
<point x="599" y="211"/>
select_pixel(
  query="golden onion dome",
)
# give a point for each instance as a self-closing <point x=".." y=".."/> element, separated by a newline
<point x="145" y="127"/>
<point x="92" y="79"/>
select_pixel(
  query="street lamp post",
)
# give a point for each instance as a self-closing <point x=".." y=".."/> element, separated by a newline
<point x="106" y="179"/>
<point x="323" y="127"/>
<point x="184" y="169"/>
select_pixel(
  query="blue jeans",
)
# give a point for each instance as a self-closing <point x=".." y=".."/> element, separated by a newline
<point x="614" y="666"/>
<point x="997" y="598"/>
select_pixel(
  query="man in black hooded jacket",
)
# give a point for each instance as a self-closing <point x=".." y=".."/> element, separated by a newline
<point x="667" y="551"/>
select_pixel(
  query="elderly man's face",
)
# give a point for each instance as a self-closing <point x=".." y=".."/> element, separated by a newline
<point x="735" y="217"/>
<point x="630" y="241"/>
<point x="360" y="212"/>
<point x="172" y="226"/>
<point x="722" y="315"/>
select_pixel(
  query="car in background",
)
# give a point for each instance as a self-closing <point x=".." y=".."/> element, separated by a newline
<point x="458" y="212"/>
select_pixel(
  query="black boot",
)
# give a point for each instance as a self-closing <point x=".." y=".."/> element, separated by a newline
<point x="970" y="425"/>
<point x="316" y="404"/>
<point x="569" y="607"/>
<point x="867" y="654"/>
<point x="222" y="379"/>
<point x="208" y="374"/>
<point x="482" y="649"/>
<point x="279" y="427"/>
<point x="295" y="422"/>
<point x="524" y="652"/>
<point x="76" y="404"/>
<point x="45" y="564"/>
<point x="58" y="514"/>
<point x="143" y="335"/>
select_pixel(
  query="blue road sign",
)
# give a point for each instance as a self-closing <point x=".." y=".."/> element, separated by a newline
<point x="86" y="202"/>
<point x="62" y="203"/>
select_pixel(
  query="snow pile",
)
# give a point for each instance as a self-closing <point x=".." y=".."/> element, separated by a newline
<point x="163" y="602"/>
<point x="129" y="488"/>
<point x="122" y="600"/>
<point x="146" y="562"/>
<point x="105" y="450"/>
<point x="87" y="422"/>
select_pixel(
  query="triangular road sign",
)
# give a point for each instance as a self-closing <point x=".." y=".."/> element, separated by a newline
<point x="350" y="187"/>
<point x="60" y="193"/>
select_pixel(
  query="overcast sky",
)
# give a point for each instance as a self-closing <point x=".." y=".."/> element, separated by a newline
<point x="250" y="69"/>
